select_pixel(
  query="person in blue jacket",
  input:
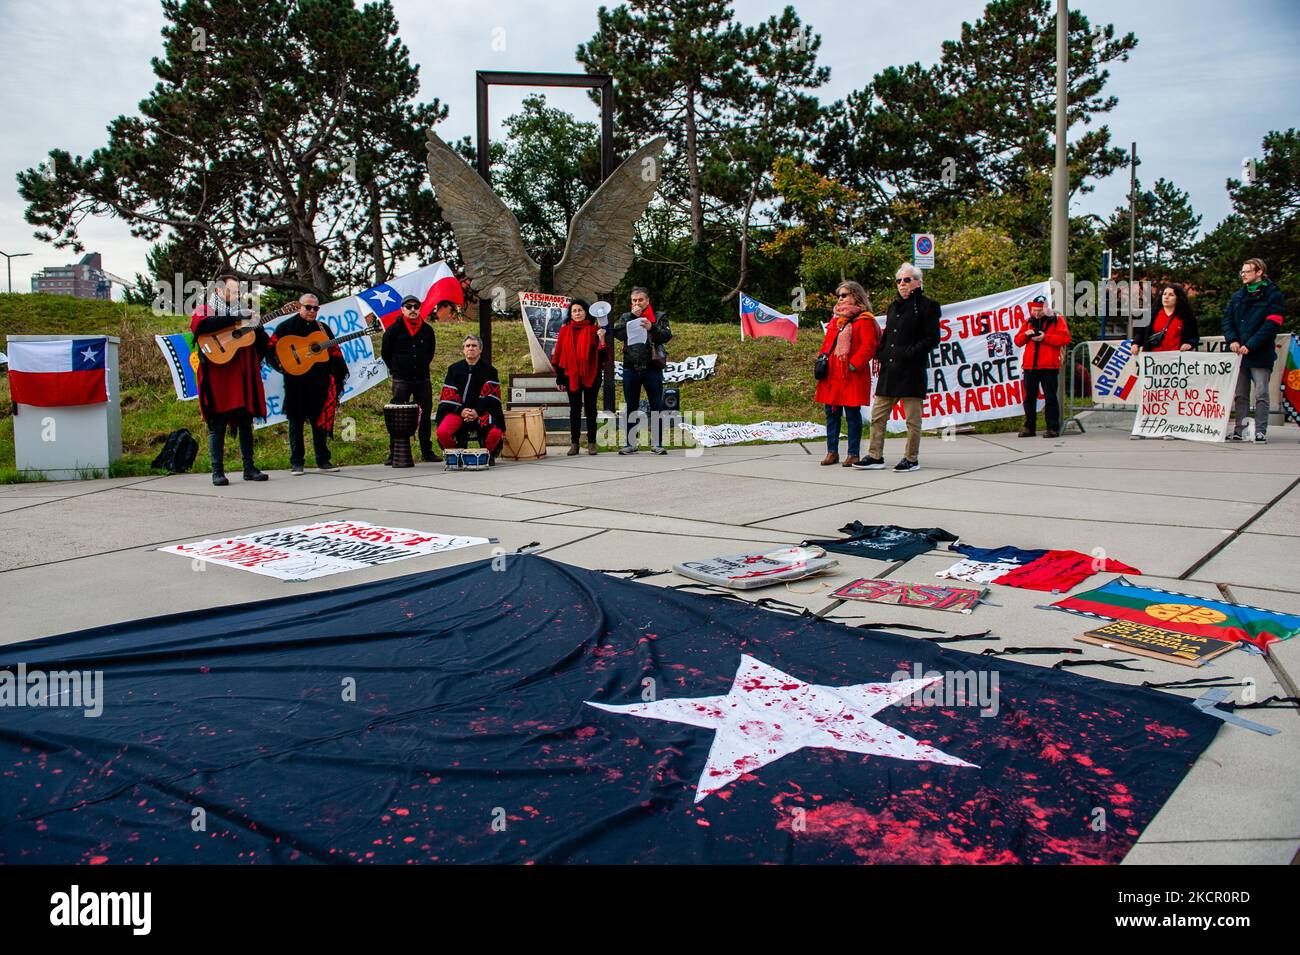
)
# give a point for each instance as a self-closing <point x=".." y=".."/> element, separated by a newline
<point x="1250" y="325"/>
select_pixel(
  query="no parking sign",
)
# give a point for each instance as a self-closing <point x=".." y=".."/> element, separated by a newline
<point x="923" y="250"/>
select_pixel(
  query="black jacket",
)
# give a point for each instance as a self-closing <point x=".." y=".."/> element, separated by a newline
<point x="911" y="333"/>
<point x="305" y="394"/>
<point x="474" y="386"/>
<point x="638" y="356"/>
<point x="408" y="358"/>
<point x="1254" y="319"/>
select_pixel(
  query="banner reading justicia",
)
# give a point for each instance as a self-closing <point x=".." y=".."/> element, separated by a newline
<point x="975" y="373"/>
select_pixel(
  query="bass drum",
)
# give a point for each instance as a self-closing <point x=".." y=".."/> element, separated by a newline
<point x="525" y="438"/>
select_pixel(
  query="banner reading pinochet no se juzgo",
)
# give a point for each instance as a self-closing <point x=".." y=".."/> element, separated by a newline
<point x="975" y="373"/>
<point x="1185" y="395"/>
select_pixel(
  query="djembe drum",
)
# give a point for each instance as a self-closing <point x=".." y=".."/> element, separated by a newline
<point x="401" y="421"/>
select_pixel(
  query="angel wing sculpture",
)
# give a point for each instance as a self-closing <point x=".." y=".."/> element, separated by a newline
<point x="599" y="248"/>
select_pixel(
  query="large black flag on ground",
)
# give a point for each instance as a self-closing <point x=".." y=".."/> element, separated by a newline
<point x="546" y="713"/>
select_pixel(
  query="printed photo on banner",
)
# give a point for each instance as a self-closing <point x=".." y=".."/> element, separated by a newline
<point x="975" y="373"/>
<point x="1185" y="395"/>
<point x="543" y="315"/>
<point x="306" y="551"/>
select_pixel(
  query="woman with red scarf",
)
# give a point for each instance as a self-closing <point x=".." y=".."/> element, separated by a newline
<point x="850" y="344"/>
<point x="1173" y="328"/>
<point x="578" y="356"/>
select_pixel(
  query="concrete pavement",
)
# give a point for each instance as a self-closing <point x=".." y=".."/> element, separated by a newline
<point x="1191" y="516"/>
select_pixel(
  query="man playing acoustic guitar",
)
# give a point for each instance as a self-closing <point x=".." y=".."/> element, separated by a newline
<point x="312" y="396"/>
<point x="230" y="393"/>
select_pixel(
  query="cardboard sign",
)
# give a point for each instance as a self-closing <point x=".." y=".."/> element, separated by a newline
<point x="904" y="594"/>
<point x="1185" y="395"/>
<point x="1157" y="643"/>
<point x="747" y="571"/>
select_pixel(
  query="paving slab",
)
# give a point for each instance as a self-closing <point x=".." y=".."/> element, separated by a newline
<point x="1164" y="454"/>
<point x="121" y="518"/>
<point x="415" y="499"/>
<point x="1038" y="500"/>
<point x="1179" y="483"/>
<point x="143" y="582"/>
<point x="692" y="495"/>
<point x="62" y="489"/>
<point x="1240" y="852"/>
<point x="512" y="480"/>
<point x="667" y="526"/>
<point x="1260" y="560"/>
<point x="1282" y="518"/>
<point x="281" y="486"/>
<point x="809" y="471"/>
<point x="1151" y="549"/>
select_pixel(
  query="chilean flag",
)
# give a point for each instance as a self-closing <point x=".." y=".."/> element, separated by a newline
<point x="431" y="284"/>
<point x="758" y="320"/>
<point x="53" y="374"/>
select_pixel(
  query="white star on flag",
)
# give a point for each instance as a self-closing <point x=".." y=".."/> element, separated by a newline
<point x="89" y="354"/>
<point x="383" y="295"/>
<point x="768" y="714"/>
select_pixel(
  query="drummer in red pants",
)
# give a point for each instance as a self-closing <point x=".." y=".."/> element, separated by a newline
<point x="470" y="404"/>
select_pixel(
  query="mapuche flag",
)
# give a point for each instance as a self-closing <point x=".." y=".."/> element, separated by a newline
<point x="52" y="374"/>
<point x="1291" y="380"/>
<point x="1185" y="613"/>
<point x="758" y="320"/>
<point x="523" y="710"/>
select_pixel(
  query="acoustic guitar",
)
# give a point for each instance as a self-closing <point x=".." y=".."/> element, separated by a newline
<point x="220" y="347"/>
<point x="298" y="353"/>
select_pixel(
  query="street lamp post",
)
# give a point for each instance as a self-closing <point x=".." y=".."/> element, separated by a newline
<point x="9" y="266"/>
<point x="1061" y="179"/>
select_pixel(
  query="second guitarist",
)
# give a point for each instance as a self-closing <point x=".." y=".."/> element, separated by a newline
<point x="314" y="395"/>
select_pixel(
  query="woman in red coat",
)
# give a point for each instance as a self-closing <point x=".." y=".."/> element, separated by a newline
<point x="850" y="344"/>
<point x="578" y="357"/>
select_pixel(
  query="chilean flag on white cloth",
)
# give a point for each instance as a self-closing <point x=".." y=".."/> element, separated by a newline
<point x="54" y="374"/>
<point x="431" y="284"/>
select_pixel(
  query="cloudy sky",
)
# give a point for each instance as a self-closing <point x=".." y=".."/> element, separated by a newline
<point x="1208" y="79"/>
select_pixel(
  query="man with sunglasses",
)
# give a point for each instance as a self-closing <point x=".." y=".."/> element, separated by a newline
<point x="314" y="395"/>
<point x="407" y="350"/>
<point x="911" y="333"/>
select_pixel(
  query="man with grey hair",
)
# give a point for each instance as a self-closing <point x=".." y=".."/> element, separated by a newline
<point x="470" y="402"/>
<point x="911" y="333"/>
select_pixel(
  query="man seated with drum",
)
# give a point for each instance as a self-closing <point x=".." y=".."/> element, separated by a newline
<point x="470" y="404"/>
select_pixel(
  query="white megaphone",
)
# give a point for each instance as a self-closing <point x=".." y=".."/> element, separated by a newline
<point x="601" y="310"/>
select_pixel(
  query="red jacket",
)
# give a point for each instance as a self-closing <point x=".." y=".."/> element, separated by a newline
<point x="842" y="386"/>
<point x="236" y="385"/>
<point x="1044" y="355"/>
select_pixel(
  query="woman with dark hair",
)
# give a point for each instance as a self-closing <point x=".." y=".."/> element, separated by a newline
<point x="578" y="356"/>
<point x="1173" y="327"/>
<point x="849" y="346"/>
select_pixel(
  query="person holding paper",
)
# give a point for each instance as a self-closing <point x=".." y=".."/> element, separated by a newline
<point x="643" y="336"/>
<point x="1251" y="322"/>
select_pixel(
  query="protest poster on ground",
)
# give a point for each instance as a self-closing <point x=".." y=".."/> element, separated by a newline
<point x="695" y="368"/>
<point x="1113" y="370"/>
<point x="975" y="373"/>
<point x="1156" y="642"/>
<point x="543" y="315"/>
<point x="1184" y="395"/>
<point x="306" y="551"/>
<point x="712" y="436"/>
<point x="902" y="593"/>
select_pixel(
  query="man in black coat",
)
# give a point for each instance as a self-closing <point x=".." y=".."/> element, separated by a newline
<point x="911" y="333"/>
<point x="314" y="395"/>
<point x="640" y="367"/>
<point x="469" y="404"/>
<point x="407" y="350"/>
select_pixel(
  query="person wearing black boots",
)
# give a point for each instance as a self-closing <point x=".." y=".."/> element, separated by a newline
<point x="230" y="394"/>
<point x="408" y="348"/>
